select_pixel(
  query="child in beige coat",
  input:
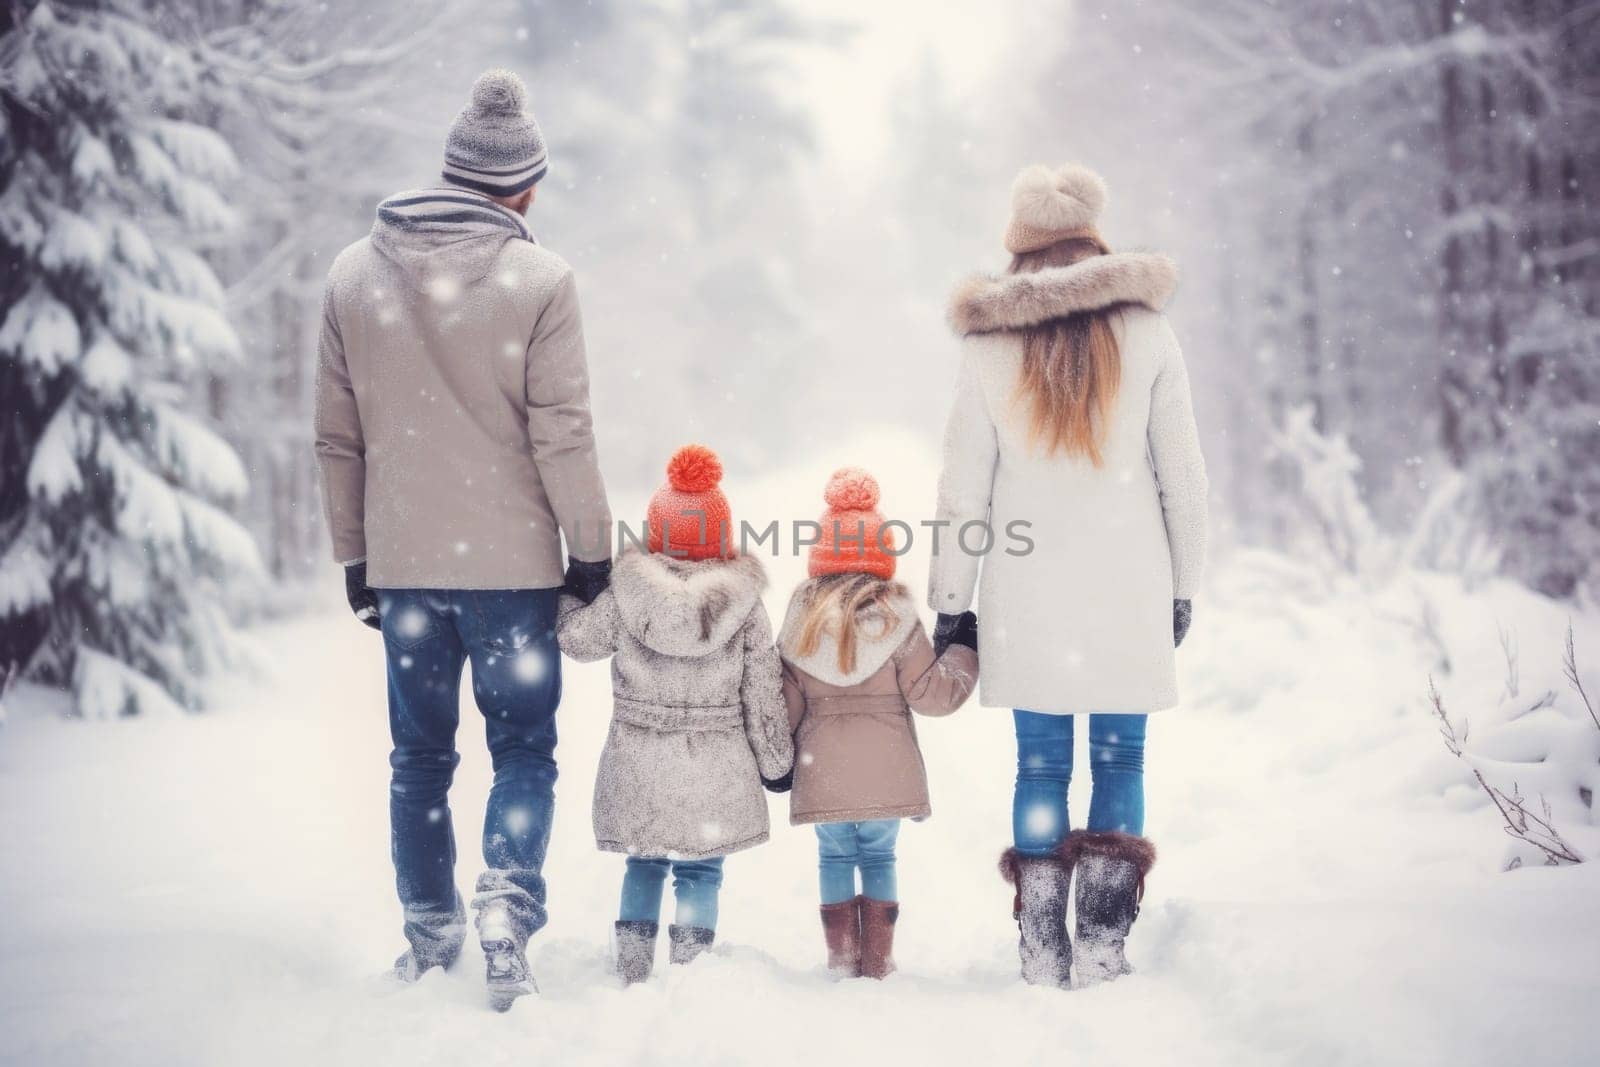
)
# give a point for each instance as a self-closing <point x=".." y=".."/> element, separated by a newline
<point x="856" y="663"/>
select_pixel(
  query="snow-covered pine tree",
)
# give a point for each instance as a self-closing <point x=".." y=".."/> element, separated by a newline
<point x="328" y="112"/>
<point x="111" y="533"/>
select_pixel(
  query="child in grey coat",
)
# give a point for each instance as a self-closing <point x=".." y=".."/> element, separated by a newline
<point x="698" y="720"/>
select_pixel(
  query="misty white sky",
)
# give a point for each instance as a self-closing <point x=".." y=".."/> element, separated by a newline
<point x="850" y="88"/>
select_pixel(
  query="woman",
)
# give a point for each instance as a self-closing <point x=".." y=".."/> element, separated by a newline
<point x="1072" y="416"/>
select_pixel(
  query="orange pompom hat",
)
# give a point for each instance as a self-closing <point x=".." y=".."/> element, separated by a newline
<point x="854" y="540"/>
<point x="689" y="518"/>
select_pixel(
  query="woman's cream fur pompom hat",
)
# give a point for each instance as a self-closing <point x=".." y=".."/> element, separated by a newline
<point x="1053" y="204"/>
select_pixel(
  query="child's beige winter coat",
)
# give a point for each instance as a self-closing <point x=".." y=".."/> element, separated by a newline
<point x="856" y="753"/>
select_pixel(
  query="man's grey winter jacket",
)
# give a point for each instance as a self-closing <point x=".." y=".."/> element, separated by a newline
<point x="453" y="427"/>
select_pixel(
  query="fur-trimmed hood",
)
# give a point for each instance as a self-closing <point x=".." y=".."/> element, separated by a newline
<point x="875" y="642"/>
<point x="988" y="302"/>
<point x="684" y="607"/>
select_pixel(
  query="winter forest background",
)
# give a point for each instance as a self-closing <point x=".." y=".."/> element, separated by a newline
<point x="1383" y="211"/>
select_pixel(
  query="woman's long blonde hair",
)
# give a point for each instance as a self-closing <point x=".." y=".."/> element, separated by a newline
<point x="1071" y="366"/>
<point x="843" y="599"/>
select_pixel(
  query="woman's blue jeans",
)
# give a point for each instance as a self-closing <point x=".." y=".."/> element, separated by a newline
<point x="695" y="883"/>
<point x="843" y="847"/>
<point x="1044" y="770"/>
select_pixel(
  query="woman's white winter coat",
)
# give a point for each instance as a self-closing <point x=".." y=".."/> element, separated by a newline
<point x="1082" y="622"/>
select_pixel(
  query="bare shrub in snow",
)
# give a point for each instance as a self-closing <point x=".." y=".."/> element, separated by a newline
<point x="1535" y="739"/>
<point x="1322" y="513"/>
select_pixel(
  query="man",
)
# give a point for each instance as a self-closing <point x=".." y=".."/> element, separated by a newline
<point x="454" y="439"/>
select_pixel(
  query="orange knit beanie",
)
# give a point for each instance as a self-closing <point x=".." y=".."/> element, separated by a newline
<point x="853" y="538"/>
<point x="689" y="517"/>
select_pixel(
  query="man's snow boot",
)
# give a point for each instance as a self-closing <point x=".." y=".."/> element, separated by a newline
<point x="1040" y="908"/>
<point x="1111" y="869"/>
<point x="434" y="936"/>
<point x="504" y="955"/>
<point x="689" y="941"/>
<point x="841" y="928"/>
<point x="877" y="937"/>
<point x="408" y="966"/>
<point x="635" y="949"/>
<point x="506" y="971"/>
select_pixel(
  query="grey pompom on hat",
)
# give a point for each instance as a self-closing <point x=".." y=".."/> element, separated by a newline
<point x="494" y="145"/>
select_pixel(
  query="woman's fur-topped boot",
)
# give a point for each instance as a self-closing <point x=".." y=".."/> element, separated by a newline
<point x="1111" y="869"/>
<point x="1040" y="908"/>
<point x="841" y="928"/>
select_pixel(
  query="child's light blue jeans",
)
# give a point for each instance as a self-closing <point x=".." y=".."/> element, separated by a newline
<point x="695" y="884"/>
<point x="1044" y="770"/>
<point x="842" y="847"/>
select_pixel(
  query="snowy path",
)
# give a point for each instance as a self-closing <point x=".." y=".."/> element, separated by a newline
<point x="217" y="891"/>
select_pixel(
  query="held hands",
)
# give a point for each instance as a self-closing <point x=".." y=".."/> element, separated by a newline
<point x="779" y="785"/>
<point x="955" y="630"/>
<point x="1182" y="613"/>
<point x="363" y="601"/>
<point x="587" y="580"/>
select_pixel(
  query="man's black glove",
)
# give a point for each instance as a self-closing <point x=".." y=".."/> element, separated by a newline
<point x="779" y="785"/>
<point x="586" y="580"/>
<point x="363" y="601"/>
<point x="1182" y="613"/>
<point x="955" y="630"/>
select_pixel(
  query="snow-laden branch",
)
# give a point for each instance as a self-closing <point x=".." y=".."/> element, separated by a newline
<point x="1569" y="665"/>
<point x="1536" y="829"/>
<point x="219" y="49"/>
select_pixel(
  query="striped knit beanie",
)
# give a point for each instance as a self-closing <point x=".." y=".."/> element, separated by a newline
<point x="495" y="146"/>
<point x="853" y="539"/>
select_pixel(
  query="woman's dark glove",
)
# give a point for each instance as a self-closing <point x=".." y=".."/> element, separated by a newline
<point x="363" y="601"/>
<point x="779" y="785"/>
<point x="587" y="580"/>
<point x="1182" y="612"/>
<point x="955" y="630"/>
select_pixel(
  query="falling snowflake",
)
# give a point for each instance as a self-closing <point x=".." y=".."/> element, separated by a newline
<point x="529" y="666"/>
<point x="1040" y="820"/>
<point x="412" y="623"/>
<point x="444" y="289"/>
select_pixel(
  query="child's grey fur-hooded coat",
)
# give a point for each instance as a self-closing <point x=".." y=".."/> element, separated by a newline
<point x="698" y="712"/>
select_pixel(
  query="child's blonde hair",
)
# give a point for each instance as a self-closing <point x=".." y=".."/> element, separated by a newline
<point x="847" y="597"/>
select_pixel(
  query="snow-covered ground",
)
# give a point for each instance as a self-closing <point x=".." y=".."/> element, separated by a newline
<point x="217" y="889"/>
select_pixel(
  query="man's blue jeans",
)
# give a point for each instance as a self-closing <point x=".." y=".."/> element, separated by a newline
<point x="695" y="884"/>
<point x="1044" y="770"/>
<point x="842" y="847"/>
<point x="509" y="635"/>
